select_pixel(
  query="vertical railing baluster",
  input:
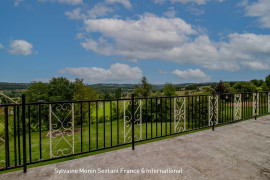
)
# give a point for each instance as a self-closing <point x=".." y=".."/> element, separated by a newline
<point x="268" y="102"/>
<point x="221" y="107"/>
<point x="265" y="103"/>
<point x="19" y="138"/>
<point x="81" y="119"/>
<point x="15" y="131"/>
<point x="6" y="137"/>
<point x="111" y="121"/>
<point x="146" y="117"/>
<point x="248" y="106"/>
<point x="151" y="117"/>
<point x="188" y="115"/>
<point x="231" y="107"/>
<point x="72" y="121"/>
<point x="97" y="124"/>
<point x="104" y="118"/>
<point x="161" y="122"/>
<point x="89" y="125"/>
<point x="199" y="111"/>
<point x="117" y="116"/>
<point x="206" y="110"/>
<point x="213" y="112"/>
<point x="39" y="123"/>
<point x="124" y="106"/>
<point x="174" y="113"/>
<point x="140" y="109"/>
<point x="166" y="116"/>
<point x="132" y="121"/>
<point x="192" y="115"/>
<point x="170" y="115"/>
<point x="29" y="131"/>
<point x="244" y="104"/>
<point x="256" y="105"/>
<point x="156" y="116"/>
<point x="24" y="135"/>
<point x="225" y="109"/>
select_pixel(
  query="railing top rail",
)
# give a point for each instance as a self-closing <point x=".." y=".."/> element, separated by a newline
<point x="122" y="99"/>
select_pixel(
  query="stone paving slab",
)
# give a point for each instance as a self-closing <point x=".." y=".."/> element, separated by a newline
<point x="235" y="151"/>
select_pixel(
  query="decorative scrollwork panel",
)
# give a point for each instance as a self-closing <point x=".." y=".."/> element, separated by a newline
<point x="268" y="102"/>
<point x="61" y="118"/>
<point x="2" y="141"/>
<point x="128" y="120"/>
<point x="255" y="104"/>
<point x="213" y="109"/>
<point x="179" y="114"/>
<point x="237" y="106"/>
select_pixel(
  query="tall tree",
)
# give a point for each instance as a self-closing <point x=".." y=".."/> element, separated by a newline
<point x="118" y="93"/>
<point x="60" y="89"/>
<point x="37" y="91"/>
<point x="267" y="81"/>
<point x="83" y="92"/>
<point x="143" y="89"/>
<point x="244" y="86"/>
<point x="107" y="95"/>
<point x="169" y="89"/>
<point x="256" y="82"/>
<point x="221" y="88"/>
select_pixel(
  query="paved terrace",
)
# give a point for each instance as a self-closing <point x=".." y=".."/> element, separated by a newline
<point x="235" y="151"/>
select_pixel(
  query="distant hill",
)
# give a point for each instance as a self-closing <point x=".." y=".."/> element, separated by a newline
<point x="130" y="87"/>
<point x="4" y="86"/>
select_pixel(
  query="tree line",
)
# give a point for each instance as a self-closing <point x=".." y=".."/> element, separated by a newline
<point x="62" y="89"/>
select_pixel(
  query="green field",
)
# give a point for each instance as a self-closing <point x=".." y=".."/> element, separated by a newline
<point x="35" y="151"/>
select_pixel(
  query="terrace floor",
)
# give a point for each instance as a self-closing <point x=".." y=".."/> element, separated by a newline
<point x="235" y="151"/>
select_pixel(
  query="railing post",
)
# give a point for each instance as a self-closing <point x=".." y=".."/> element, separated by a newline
<point x="6" y="137"/>
<point x="24" y="134"/>
<point x="213" y="115"/>
<point x="256" y="104"/>
<point x="132" y="121"/>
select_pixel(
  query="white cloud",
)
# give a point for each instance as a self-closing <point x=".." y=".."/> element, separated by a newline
<point x="243" y="3"/>
<point x="172" y="39"/>
<point x="125" y="3"/>
<point x="170" y="13"/>
<point x="256" y="65"/>
<point x="195" y="75"/>
<point x="17" y="2"/>
<point x="260" y="9"/>
<point x="159" y="1"/>
<point x="71" y="2"/>
<point x="98" y="10"/>
<point x="140" y="39"/>
<point x="194" y="10"/>
<point x="199" y="2"/>
<point x="116" y="73"/>
<point x="20" y="47"/>
<point x="162" y="72"/>
<point x="1" y="46"/>
<point x="44" y="80"/>
<point x="75" y="14"/>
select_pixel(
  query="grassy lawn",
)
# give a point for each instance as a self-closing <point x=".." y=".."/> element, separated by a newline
<point x="35" y="149"/>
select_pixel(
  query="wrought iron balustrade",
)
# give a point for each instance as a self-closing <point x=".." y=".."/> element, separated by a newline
<point x="43" y="131"/>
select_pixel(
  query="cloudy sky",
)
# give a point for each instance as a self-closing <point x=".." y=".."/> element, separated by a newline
<point x="119" y="41"/>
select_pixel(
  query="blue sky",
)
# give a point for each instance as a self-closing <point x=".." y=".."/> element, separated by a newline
<point x="119" y="41"/>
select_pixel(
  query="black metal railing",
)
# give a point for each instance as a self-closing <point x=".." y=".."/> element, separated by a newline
<point x="42" y="131"/>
